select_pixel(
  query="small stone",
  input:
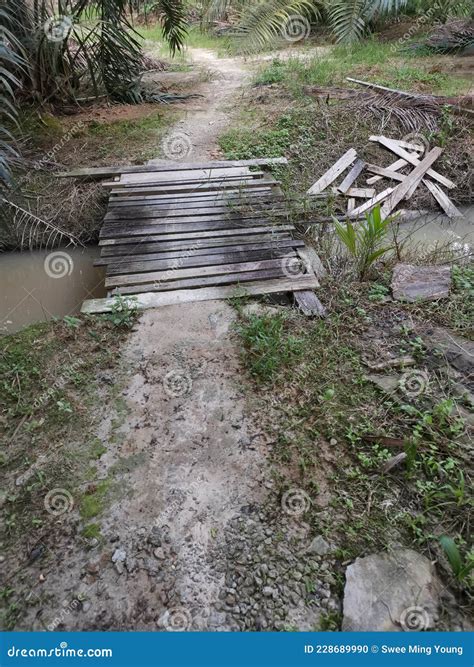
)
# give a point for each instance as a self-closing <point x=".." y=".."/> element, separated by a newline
<point x="159" y="553"/>
<point x="119" y="555"/>
<point x="333" y="442"/>
<point x="319" y="546"/>
<point x="155" y="537"/>
<point x="119" y="566"/>
<point x="86" y="606"/>
<point x="268" y="591"/>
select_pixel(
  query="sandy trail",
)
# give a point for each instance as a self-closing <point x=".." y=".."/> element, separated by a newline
<point x="195" y="537"/>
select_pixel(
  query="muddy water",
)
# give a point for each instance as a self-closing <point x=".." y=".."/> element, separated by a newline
<point x="435" y="229"/>
<point x="37" y="286"/>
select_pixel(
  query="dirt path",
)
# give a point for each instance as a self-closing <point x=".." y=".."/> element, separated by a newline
<point x="195" y="536"/>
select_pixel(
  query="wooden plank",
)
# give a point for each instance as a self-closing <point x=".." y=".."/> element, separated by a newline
<point x="197" y="235"/>
<point x="309" y="304"/>
<point x="196" y="196"/>
<point x="196" y="174"/>
<point x="200" y="260"/>
<point x="179" y="273"/>
<point x="443" y="200"/>
<point x="106" y="172"/>
<point x="351" y="204"/>
<point x="336" y="170"/>
<point x="361" y="193"/>
<point x="143" y="247"/>
<point x="411" y="181"/>
<point x="183" y="217"/>
<point x="254" y="197"/>
<point x="195" y="252"/>
<point x="183" y="181"/>
<point x="150" y="300"/>
<point x="387" y="173"/>
<point x="235" y="278"/>
<point x="111" y="232"/>
<point x="371" y="203"/>
<point x="352" y="176"/>
<point x="202" y="187"/>
<point x="395" y="166"/>
<point x="395" y="148"/>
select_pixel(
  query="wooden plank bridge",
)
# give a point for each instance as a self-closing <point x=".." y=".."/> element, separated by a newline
<point x="175" y="233"/>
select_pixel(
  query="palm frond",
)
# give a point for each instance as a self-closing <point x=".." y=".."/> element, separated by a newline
<point x="174" y="23"/>
<point x="34" y="232"/>
<point x="263" y="22"/>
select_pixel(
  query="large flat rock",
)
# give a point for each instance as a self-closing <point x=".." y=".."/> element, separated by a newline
<point x="420" y="283"/>
<point x="390" y="592"/>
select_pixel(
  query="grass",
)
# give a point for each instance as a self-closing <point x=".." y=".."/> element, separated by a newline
<point x="328" y="420"/>
<point x="370" y="60"/>
<point x="196" y="39"/>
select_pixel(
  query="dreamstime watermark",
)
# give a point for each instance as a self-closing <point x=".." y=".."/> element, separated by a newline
<point x="414" y="383"/>
<point x="296" y="28"/>
<point x="426" y="17"/>
<point x="295" y="502"/>
<point x="58" y="264"/>
<point x="177" y="383"/>
<point x="417" y="139"/>
<point x="65" y="377"/>
<point x="294" y="267"/>
<point x="57" y="28"/>
<point x="58" y="502"/>
<point x="50" y="155"/>
<point x="68" y="609"/>
<point x="176" y="619"/>
<point x="177" y="146"/>
<point x="415" y="619"/>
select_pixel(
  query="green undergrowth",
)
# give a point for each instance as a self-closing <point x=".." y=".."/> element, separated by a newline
<point x="335" y="430"/>
<point x="378" y="62"/>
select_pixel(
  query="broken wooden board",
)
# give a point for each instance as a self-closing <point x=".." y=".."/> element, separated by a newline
<point x="395" y="166"/>
<point x="152" y="300"/>
<point x="395" y="148"/>
<point x="352" y="176"/>
<point x="336" y="170"/>
<point x="309" y="304"/>
<point x="107" y="172"/>
<point x="356" y="212"/>
<point x="411" y="182"/>
<point x="443" y="200"/>
<point x="420" y="283"/>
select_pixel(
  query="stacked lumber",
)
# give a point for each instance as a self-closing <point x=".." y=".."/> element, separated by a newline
<point x="412" y="169"/>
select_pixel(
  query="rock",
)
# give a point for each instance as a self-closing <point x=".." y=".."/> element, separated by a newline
<point x="387" y="383"/>
<point x="119" y="555"/>
<point x="159" y="553"/>
<point x="420" y="283"/>
<point x="388" y="592"/>
<point x="155" y="537"/>
<point x="319" y="546"/>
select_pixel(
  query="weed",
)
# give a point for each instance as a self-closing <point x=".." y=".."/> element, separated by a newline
<point x="268" y="346"/>
<point x="247" y="144"/>
<point x="124" y="312"/>
<point x="461" y="567"/>
<point x="364" y="242"/>
<point x="92" y="502"/>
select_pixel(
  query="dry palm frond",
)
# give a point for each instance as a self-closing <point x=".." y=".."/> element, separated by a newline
<point x="34" y="232"/>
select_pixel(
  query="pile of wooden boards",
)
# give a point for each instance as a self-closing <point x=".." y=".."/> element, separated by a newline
<point x="406" y="182"/>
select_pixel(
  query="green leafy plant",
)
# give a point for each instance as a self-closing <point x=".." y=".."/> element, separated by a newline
<point x="124" y="312"/>
<point x="460" y="566"/>
<point x="364" y="240"/>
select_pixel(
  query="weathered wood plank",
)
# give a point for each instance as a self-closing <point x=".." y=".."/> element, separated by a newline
<point x="165" y="185"/>
<point x="183" y="218"/>
<point x="203" y="187"/>
<point x="129" y="204"/>
<point x="443" y="200"/>
<point x="195" y="196"/>
<point x="387" y="173"/>
<point x="336" y="170"/>
<point x="395" y="166"/>
<point x="361" y="193"/>
<point x="163" y="246"/>
<point x="187" y="174"/>
<point x="179" y="273"/>
<point x="194" y="252"/>
<point x="356" y="212"/>
<point x="411" y="181"/>
<point x="184" y="228"/>
<point x="196" y="235"/>
<point x="309" y="304"/>
<point x="236" y="278"/>
<point x="352" y="176"/>
<point x="409" y="157"/>
<point x="150" y="300"/>
<point x="105" y="172"/>
<point x="200" y="260"/>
